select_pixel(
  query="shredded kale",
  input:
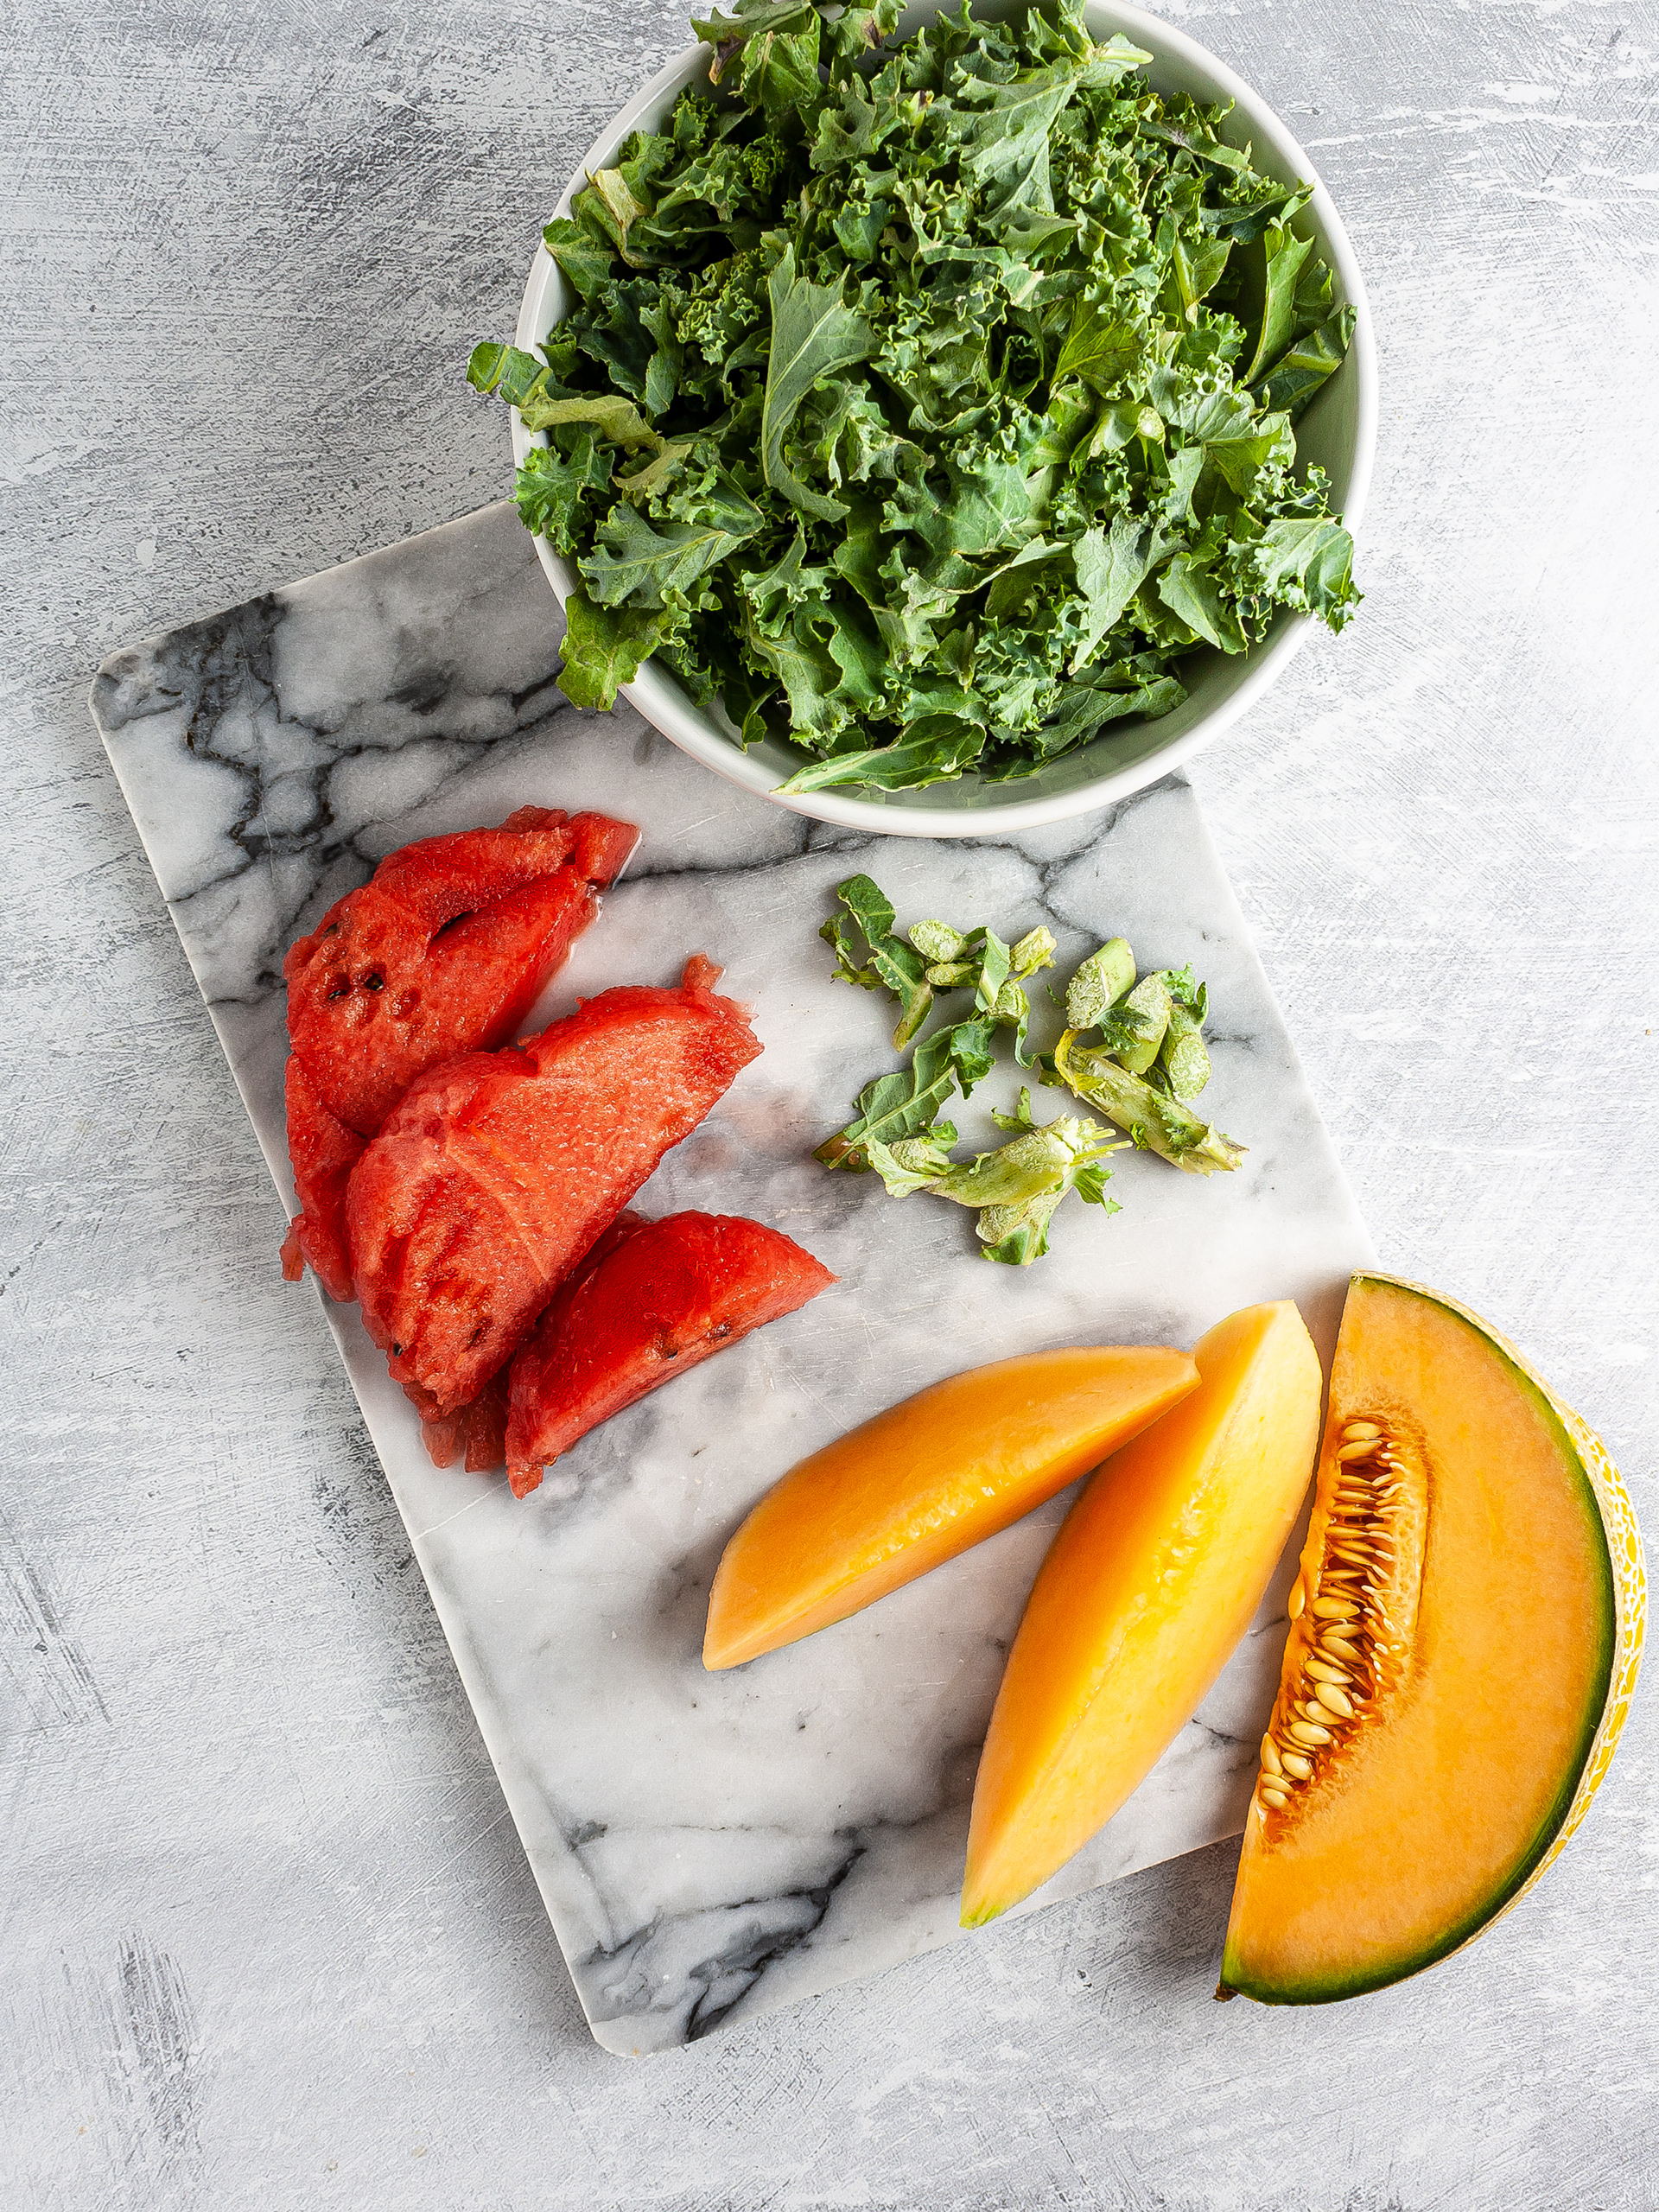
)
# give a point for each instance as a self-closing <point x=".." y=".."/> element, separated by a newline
<point x="929" y="403"/>
<point x="1149" y="1060"/>
<point x="1012" y="1190"/>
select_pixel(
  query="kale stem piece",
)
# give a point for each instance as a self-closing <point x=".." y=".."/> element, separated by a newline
<point x="1155" y="1122"/>
<point x="1104" y="977"/>
<point x="1014" y="1189"/>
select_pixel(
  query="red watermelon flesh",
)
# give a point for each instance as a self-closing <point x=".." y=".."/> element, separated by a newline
<point x="653" y="1304"/>
<point x="478" y="1430"/>
<point x="444" y="950"/>
<point x="499" y="1170"/>
<point x="322" y="1153"/>
<point x="476" y="1433"/>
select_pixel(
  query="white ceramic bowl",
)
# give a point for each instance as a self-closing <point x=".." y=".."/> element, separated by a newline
<point x="1339" y="431"/>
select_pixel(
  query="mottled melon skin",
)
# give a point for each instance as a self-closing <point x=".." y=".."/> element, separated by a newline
<point x="1620" y="1606"/>
<point x="1628" y="1574"/>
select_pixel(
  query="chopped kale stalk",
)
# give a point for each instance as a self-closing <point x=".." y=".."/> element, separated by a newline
<point x="1014" y="1189"/>
<point x="1183" y="1063"/>
<point x="930" y="404"/>
<point x="1149" y="1057"/>
<point x="1149" y="1002"/>
<point x="997" y="973"/>
<point x="1105" y="978"/>
<point x="1155" y="1121"/>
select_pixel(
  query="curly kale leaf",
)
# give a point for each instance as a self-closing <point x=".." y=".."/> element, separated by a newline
<point x="1306" y="364"/>
<point x="549" y="488"/>
<point x="775" y="44"/>
<point x="605" y="646"/>
<point x="584" y="253"/>
<point x="641" y="563"/>
<point x="813" y="333"/>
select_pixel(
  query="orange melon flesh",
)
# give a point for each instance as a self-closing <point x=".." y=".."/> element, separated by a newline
<point x="1151" y="1582"/>
<point x="923" y="1481"/>
<point x="1477" y="1670"/>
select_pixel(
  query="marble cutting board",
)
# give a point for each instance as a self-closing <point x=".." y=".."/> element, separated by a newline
<point x="710" y="1847"/>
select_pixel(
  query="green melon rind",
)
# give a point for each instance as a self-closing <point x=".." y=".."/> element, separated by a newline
<point x="1625" y="1598"/>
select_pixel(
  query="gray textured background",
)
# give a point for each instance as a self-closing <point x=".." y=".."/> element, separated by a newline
<point x="268" y="1939"/>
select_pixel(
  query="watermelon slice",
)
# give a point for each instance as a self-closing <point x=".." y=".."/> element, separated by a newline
<point x="499" y="1170"/>
<point x="478" y="1430"/>
<point x="444" y="950"/>
<point x="651" y="1300"/>
<point x="322" y="1153"/>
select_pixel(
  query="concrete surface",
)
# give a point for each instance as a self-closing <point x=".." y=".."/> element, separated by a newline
<point x="268" y="1939"/>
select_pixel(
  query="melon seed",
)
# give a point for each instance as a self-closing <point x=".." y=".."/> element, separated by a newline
<point x="1322" y="1671"/>
<point x="1276" y="1798"/>
<point x="1365" y="1450"/>
<point x="1357" y="1429"/>
<point x="1270" y="1755"/>
<point x="1298" y="1597"/>
<point x="1304" y="1732"/>
<point x="1334" y="1609"/>
<point x="1333" y="1700"/>
<point x="1296" y="1765"/>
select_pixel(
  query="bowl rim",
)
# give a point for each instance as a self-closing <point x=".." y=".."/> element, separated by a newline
<point x="661" y="703"/>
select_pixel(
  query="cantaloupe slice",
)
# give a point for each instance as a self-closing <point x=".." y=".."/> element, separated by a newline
<point x="923" y="1481"/>
<point x="1466" y="1633"/>
<point x="1150" y="1583"/>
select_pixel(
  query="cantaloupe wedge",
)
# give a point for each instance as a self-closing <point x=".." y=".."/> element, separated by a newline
<point x="923" y="1481"/>
<point x="1466" y="1634"/>
<point x="1149" y="1584"/>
